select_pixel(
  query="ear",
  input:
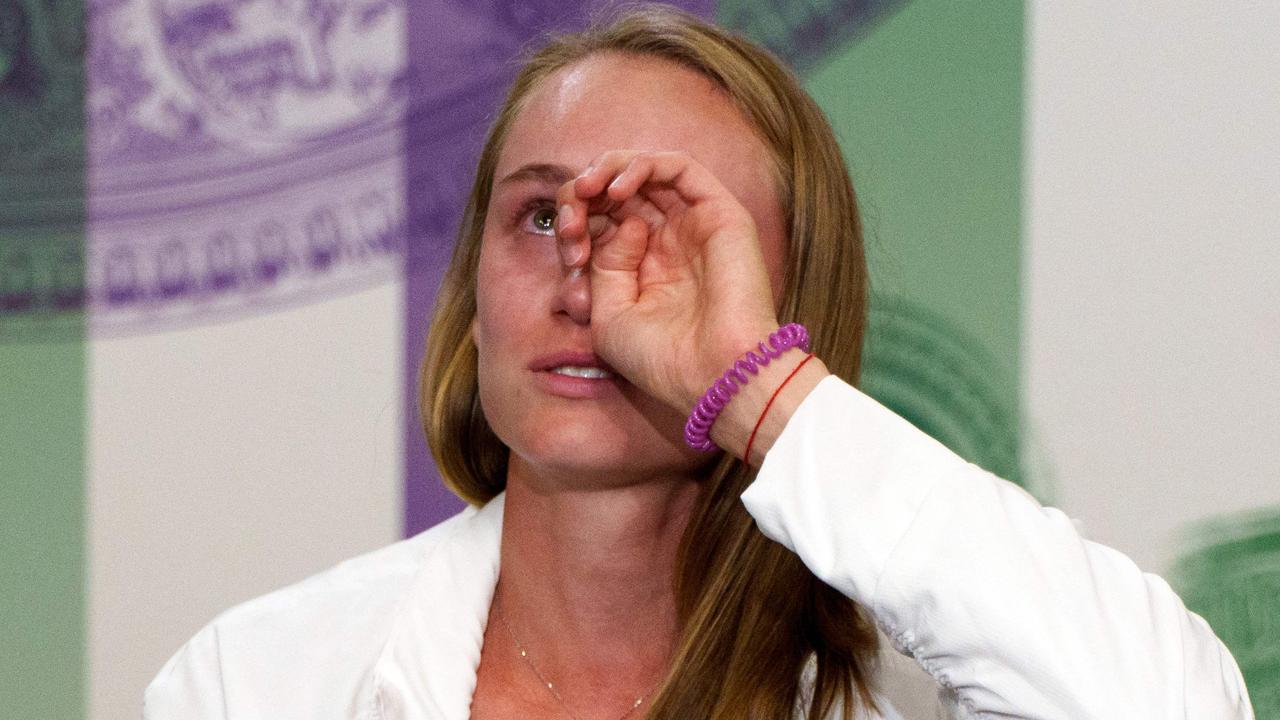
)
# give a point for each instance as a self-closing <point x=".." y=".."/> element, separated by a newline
<point x="473" y="334"/>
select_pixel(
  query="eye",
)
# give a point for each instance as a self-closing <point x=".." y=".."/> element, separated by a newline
<point x="542" y="221"/>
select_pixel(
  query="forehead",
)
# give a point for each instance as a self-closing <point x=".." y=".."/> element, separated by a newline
<point x="613" y="101"/>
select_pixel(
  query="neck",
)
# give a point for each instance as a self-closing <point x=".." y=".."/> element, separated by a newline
<point x="586" y="580"/>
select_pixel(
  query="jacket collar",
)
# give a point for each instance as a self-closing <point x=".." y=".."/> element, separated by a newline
<point x="427" y="669"/>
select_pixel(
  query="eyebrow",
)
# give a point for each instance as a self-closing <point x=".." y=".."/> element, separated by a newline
<point x="539" y="172"/>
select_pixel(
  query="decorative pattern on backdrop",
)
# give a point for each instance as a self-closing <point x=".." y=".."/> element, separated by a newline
<point x="171" y="167"/>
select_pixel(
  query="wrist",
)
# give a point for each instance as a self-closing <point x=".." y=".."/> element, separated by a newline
<point x="732" y="410"/>
<point x="729" y="350"/>
<point x="746" y="413"/>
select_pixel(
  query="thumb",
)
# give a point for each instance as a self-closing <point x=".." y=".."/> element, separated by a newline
<point x="615" y="267"/>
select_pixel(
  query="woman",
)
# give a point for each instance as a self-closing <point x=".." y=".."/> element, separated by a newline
<point x="656" y="198"/>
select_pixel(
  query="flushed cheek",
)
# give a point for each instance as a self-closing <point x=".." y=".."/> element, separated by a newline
<point x="515" y="273"/>
<point x="504" y="298"/>
<point x="512" y="307"/>
<point x="503" y="389"/>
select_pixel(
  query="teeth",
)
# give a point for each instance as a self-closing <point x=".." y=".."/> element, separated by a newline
<point x="582" y="372"/>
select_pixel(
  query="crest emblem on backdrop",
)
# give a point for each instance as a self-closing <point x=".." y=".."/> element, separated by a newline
<point x="249" y="155"/>
<point x="229" y="157"/>
<point x="240" y="154"/>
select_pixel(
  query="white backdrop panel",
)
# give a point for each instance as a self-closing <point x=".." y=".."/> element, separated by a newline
<point x="1152" y="267"/>
<point x="230" y="460"/>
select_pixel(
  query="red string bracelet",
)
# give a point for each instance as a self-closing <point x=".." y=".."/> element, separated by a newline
<point x="746" y="457"/>
<point x="697" y="429"/>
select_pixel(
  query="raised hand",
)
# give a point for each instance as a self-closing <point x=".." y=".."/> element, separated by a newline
<point x="679" y="286"/>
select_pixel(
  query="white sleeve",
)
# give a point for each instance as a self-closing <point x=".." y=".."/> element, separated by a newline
<point x="189" y="686"/>
<point x="997" y="597"/>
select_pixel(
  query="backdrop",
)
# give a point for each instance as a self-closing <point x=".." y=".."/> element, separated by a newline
<point x="222" y="226"/>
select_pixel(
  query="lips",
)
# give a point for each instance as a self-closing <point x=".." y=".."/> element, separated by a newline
<point x="581" y="383"/>
<point x="572" y="359"/>
<point x="586" y="373"/>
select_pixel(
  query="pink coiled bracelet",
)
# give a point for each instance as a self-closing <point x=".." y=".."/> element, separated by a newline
<point x="698" y="428"/>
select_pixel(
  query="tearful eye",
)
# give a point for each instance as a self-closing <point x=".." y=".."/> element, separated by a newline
<point x="543" y="221"/>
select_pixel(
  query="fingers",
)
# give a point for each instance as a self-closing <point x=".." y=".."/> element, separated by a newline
<point x="568" y="236"/>
<point x="575" y="238"/>
<point x="621" y="183"/>
<point x="597" y="224"/>
<point x="575" y="225"/>
<point x="623" y="249"/>
<point x="614" y="277"/>
<point x="619" y="175"/>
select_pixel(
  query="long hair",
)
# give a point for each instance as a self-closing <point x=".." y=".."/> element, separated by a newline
<point x="751" y="615"/>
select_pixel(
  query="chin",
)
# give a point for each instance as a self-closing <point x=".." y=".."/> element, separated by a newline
<point x="590" y="448"/>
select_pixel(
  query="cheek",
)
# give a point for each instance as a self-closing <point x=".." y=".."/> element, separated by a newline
<point x="495" y="333"/>
<point x="510" y="304"/>
<point x="514" y="273"/>
<point x="499" y="289"/>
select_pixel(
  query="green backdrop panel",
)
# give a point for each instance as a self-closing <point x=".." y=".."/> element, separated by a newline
<point x="926" y="98"/>
<point x="42" y="553"/>
<point x="42" y="360"/>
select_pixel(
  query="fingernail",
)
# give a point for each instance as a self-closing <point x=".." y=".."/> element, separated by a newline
<point x="565" y="216"/>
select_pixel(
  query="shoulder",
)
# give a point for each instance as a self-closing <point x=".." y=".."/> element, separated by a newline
<point x="315" y="639"/>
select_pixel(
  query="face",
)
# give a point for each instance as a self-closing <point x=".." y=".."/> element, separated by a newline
<point x="529" y="308"/>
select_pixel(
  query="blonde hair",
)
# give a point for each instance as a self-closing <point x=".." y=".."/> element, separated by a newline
<point x="751" y="614"/>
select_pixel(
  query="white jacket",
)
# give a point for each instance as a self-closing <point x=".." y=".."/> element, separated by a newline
<point x="999" y="599"/>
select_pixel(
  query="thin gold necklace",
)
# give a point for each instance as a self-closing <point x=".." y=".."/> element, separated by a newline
<point x="497" y="604"/>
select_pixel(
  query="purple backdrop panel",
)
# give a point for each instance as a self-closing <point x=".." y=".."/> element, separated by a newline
<point x="242" y="156"/>
<point x="460" y="58"/>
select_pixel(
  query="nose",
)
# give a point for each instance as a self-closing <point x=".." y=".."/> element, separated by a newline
<point x="573" y="297"/>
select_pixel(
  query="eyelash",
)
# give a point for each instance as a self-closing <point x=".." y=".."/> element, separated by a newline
<point x="529" y="210"/>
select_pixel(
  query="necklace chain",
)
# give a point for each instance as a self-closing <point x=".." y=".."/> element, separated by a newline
<point x="543" y="679"/>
